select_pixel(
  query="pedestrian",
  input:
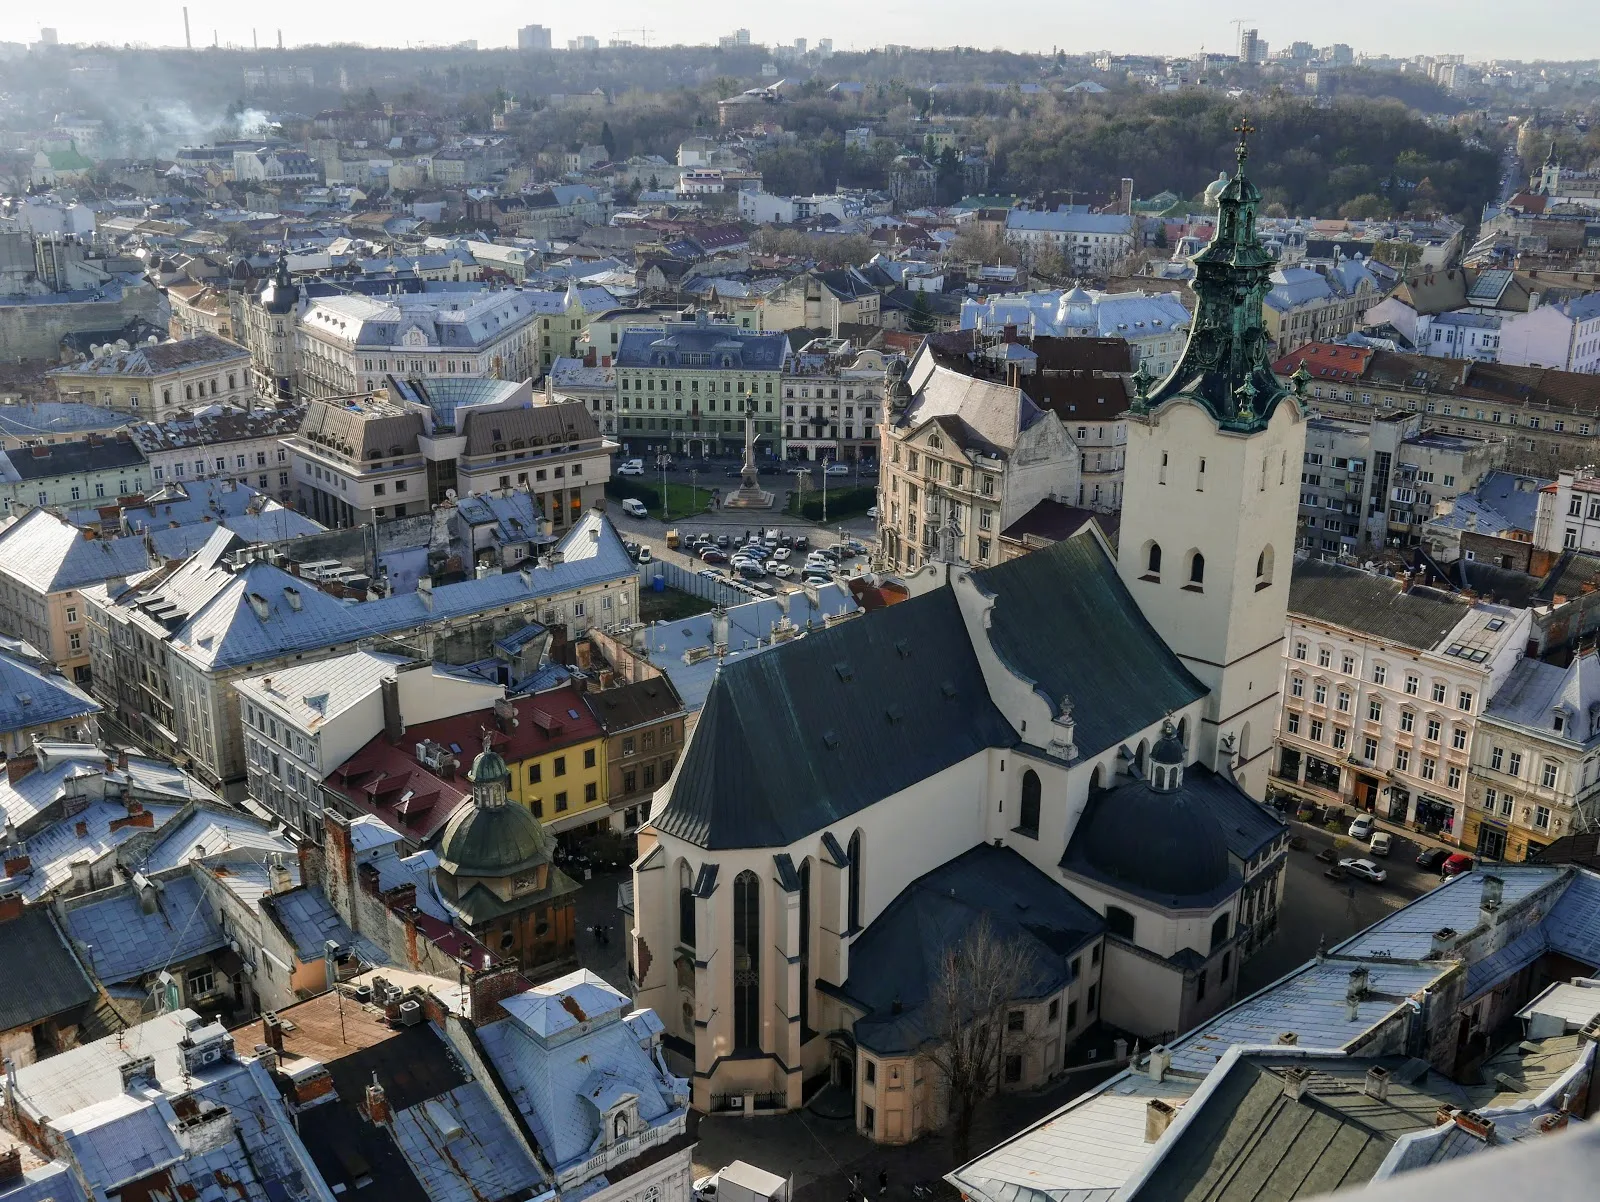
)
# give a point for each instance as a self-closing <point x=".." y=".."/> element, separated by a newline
<point x="883" y="1182"/>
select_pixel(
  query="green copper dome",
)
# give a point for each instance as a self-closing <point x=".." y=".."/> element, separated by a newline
<point x="488" y="767"/>
<point x="1226" y="366"/>
<point x="500" y="841"/>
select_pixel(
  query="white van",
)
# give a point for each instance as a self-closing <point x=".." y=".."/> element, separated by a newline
<point x="631" y="467"/>
<point x="635" y="508"/>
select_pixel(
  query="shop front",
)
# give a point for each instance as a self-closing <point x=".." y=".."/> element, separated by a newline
<point x="1491" y="839"/>
<point x="1399" y="803"/>
<point x="1435" y="816"/>
<point x="1365" y="791"/>
<point x="1321" y="774"/>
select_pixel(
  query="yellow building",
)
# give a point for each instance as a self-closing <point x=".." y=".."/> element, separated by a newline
<point x="557" y="756"/>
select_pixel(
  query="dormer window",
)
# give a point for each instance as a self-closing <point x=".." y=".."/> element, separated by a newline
<point x="1559" y="723"/>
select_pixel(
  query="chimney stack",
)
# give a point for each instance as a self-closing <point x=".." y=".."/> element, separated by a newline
<point x="272" y="1030"/>
<point x="394" y="727"/>
<point x="20" y="765"/>
<point x="1159" y="1063"/>
<point x="1158" y="1116"/>
<point x="378" y="1111"/>
<point x="1294" y="1083"/>
<point x="279" y="878"/>
<point x="1377" y="1084"/>
<point x="1288" y="1039"/>
<point x="1444" y="940"/>
<point x="1493" y="892"/>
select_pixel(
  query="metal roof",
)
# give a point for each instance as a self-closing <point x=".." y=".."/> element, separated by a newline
<point x="34" y="693"/>
<point x="42" y="977"/>
<point x="1372" y="604"/>
<point x="123" y="942"/>
<point x="50" y="555"/>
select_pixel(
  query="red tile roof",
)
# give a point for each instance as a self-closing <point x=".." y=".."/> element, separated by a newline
<point x="1326" y="361"/>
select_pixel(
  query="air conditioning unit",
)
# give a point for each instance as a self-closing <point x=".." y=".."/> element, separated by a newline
<point x="410" y="1013"/>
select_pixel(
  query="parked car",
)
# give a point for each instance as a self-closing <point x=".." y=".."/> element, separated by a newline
<point x="644" y="555"/>
<point x="708" y="573"/>
<point x="1432" y="858"/>
<point x="632" y="548"/>
<point x="1382" y="843"/>
<point x="781" y="570"/>
<point x="837" y="469"/>
<point x="724" y="541"/>
<point x="1365" y="869"/>
<point x="1362" y="827"/>
<point x="752" y="571"/>
<point x="781" y="553"/>
<point x="815" y="578"/>
<point x="635" y="508"/>
<point x="631" y="467"/>
<point x="786" y="541"/>
<point x="1455" y="865"/>
<point x="705" y="1188"/>
<point x="712" y="555"/>
<point x="873" y="513"/>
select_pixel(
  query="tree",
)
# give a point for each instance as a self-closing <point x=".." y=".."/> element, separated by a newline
<point x="968" y="1001"/>
<point x="921" y="320"/>
<point x="1368" y="204"/>
<point x="976" y="244"/>
<point x="608" y="140"/>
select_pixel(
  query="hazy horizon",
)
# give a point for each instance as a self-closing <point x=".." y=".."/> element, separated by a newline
<point x="1551" y="30"/>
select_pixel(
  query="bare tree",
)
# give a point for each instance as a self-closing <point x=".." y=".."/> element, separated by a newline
<point x="978" y="980"/>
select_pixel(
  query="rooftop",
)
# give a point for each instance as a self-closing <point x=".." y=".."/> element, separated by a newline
<point x="161" y="358"/>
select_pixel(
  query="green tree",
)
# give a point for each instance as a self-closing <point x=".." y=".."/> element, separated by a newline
<point x="1368" y="204"/>
<point x="608" y="139"/>
<point x="921" y="319"/>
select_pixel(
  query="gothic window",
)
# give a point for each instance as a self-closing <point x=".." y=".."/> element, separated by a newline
<point x="685" y="905"/>
<point x="1264" y="568"/>
<point x="805" y="948"/>
<point x="1197" y="569"/>
<point x="1028" y="823"/>
<point x="1219" y="931"/>
<point x="854" y="855"/>
<point x="1152" y="559"/>
<point x="747" y="962"/>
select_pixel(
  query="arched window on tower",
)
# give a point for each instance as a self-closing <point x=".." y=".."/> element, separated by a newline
<point x="1028" y="822"/>
<point x="747" y="962"/>
<point x="1152" y="559"/>
<point x="685" y="904"/>
<point x="854" y="854"/>
<point x="1197" y="570"/>
<point x="1119" y="922"/>
<point x="805" y="948"/>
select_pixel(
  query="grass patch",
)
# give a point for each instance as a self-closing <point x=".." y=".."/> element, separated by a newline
<point x="670" y="605"/>
<point x="682" y="500"/>
<point x="850" y="502"/>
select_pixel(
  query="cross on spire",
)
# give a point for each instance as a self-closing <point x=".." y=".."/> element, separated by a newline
<point x="1244" y="129"/>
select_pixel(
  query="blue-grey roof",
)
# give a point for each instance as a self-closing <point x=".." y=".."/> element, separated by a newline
<point x="42" y="977"/>
<point x="210" y="831"/>
<point x="48" y="419"/>
<point x="1063" y="619"/>
<point x="1057" y="313"/>
<point x="50" y="555"/>
<point x="55" y="1182"/>
<point x="904" y="949"/>
<point x="1408" y="932"/>
<point x="728" y="347"/>
<point x="1293" y="286"/>
<point x="1070" y="221"/>
<point x="123" y="943"/>
<point x="219" y="627"/>
<point x="1515" y="498"/>
<point x="310" y="922"/>
<point x="818" y="729"/>
<point x="561" y="1082"/>
<point x="461" y="1149"/>
<point x="33" y="693"/>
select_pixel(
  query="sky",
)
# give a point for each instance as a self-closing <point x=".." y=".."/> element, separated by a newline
<point x="1479" y="29"/>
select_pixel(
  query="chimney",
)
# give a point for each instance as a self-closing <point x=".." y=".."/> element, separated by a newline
<point x="1443" y="1115"/>
<point x="279" y="878"/>
<point x="1159" y="1064"/>
<point x="20" y="765"/>
<point x="1444" y="940"/>
<point x="259" y="604"/>
<point x="147" y="891"/>
<point x="82" y="829"/>
<point x="425" y="592"/>
<point x="394" y="727"/>
<point x="505" y="715"/>
<point x="1356" y="991"/>
<point x="122" y="766"/>
<point x="267" y="1057"/>
<point x="1288" y="1039"/>
<point x="272" y="1030"/>
<point x="588" y="358"/>
<point x="1377" y="1085"/>
<point x="21" y="862"/>
<point x="292" y="596"/>
<point x="10" y="906"/>
<point x="142" y="1068"/>
<point x="1158" y="1117"/>
<point x="1294" y="1083"/>
<point x="1476" y="1125"/>
<point x="378" y="1112"/>
<point x="1493" y="891"/>
<point x="1549" y="1124"/>
<point x="11" y="1164"/>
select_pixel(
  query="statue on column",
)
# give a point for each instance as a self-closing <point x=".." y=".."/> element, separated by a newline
<point x="749" y="494"/>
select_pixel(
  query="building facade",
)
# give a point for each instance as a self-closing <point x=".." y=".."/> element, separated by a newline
<point x="1384" y="686"/>
<point x="155" y="383"/>
<point x="832" y="402"/>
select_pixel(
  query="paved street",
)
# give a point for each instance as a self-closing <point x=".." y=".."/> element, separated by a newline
<point x="1316" y="908"/>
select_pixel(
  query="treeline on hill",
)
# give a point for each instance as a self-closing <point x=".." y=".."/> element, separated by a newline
<point x="1359" y="158"/>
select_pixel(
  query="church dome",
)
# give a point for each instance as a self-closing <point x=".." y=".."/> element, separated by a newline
<point x="1155" y="842"/>
<point x="499" y="841"/>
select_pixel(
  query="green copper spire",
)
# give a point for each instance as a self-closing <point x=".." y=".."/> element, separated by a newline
<point x="1226" y="366"/>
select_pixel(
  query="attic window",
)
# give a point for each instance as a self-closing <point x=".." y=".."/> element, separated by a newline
<point x="948" y="688"/>
<point x="830" y="739"/>
<point x="895" y="712"/>
<point x="903" y="648"/>
<point x="1496" y="624"/>
<point x="845" y="671"/>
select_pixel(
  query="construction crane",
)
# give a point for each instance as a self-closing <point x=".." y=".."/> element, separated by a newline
<point x="1238" y="24"/>
<point x="643" y="38"/>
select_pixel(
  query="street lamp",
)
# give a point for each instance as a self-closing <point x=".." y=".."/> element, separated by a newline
<point x="662" y="459"/>
<point x="694" y="475"/>
<point x="826" y="463"/>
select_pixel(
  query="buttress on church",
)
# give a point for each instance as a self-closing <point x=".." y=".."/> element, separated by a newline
<point x="1067" y="747"/>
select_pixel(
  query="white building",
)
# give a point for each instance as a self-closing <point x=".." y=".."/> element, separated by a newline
<point x="1382" y="692"/>
<point x="1088" y="243"/>
<point x="303" y="721"/>
<point x="1154" y="325"/>
<point x="1565" y="335"/>
<point x="1568" y="517"/>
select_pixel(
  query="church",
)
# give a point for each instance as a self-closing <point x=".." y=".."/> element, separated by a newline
<point x="1064" y="749"/>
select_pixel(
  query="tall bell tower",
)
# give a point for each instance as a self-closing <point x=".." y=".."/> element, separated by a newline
<point x="1211" y="493"/>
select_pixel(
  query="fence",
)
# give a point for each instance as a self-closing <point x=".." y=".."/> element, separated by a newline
<point x="718" y="592"/>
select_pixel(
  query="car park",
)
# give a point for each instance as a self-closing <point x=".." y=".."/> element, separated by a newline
<point x="634" y="508"/>
<point x="1382" y="843"/>
<point x="1362" y="827"/>
<point x="1365" y="869"/>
